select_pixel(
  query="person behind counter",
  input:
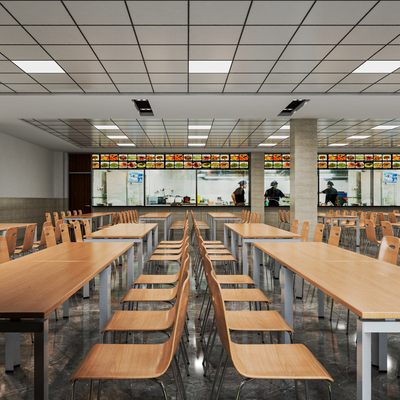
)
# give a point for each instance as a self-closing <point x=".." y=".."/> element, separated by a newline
<point x="238" y="194"/>
<point x="273" y="194"/>
<point x="330" y="194"/>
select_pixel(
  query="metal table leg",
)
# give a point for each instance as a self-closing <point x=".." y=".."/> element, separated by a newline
<point x="257" y="262"/>
<point x="105" y="300"/>
<point x="130" y="269"/>
<point x="287" y="300"/>
<point x="321" y="300"/>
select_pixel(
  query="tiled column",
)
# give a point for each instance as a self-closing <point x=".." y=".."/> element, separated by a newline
<point x="303" y="172"/>
<point x="257" y="184"/>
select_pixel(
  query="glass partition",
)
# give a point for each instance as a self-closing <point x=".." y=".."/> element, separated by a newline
<point x="166" y="187"/>
<point x="282" y="176"/>
<point x="386" y="188"/>
<point x="216" y="187"/>
<point x="353" y="187"/>
<point x="117" y="188"/>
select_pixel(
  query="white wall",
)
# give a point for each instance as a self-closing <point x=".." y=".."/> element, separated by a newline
<point x="27" y="170"/>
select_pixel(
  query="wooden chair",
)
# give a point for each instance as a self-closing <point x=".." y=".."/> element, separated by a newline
<point x="57" y="231"/>
<point x="4" y="256"/>
<point x="11" y="238"/>
<point x="250" y="217"/>
<point x="64" y="233"/>
<point x="55" y="216"/>
<point x="78" y="233"/>
<point x="396" y="211"/>
<point x="286" y="220"/>
<point x="334" y="236"/>
<point x="48" y="218"/>
<point x="79" y="212"/>
<point x="387" y="229"/>
<point x="177" y="225"/>
<point x="28" y="240"/>
<point x="88" y="229"/>
<point x="136" y="361"/>
<point x="50" y="237"/>
<point x="395" y="224"/>
<point x="304" y="231"/>
<point x="258" y="361"/>
<point x="318" y="233"/>
<point x="295" y="226"/>
<point x="281" y="220"/>
<point x="259" y="218"/>
<point x="42" y="241"/>
<point x="371" y="236"/>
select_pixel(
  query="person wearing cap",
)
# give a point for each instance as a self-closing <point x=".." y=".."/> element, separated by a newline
<point x="238" y="194"/>
<point x="273" y="194"/>
<point x="330" y="194"/>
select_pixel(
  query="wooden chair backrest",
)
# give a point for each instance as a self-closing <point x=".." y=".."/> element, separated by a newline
<point x="74" y="212"/>
<point x="373" y="217"/>
<point x="11" y="238"/>
<point x="50" y="237"/>
<point x="295" y="226"/>
<point x="370" y="231"/>
<point x="281" y="216"/>
<point x="114" y="218"/>
<point x="334" y="236"/>
<point x="88" y="229"/>
<point x="381" y="218"/>
<point x="4" y="256"/>
<point x="55" y="215"/>
<point x="368" y="215"/>
<point x="285" y="217"/>
<point x="242" y="216"/>
<point x="387" y="229"/>
<point x="254" y="218"/>
<point x="64" y="233"/>
<point x="330" y="212"/>
<point x="79" y="212"/>
<point x="42" y="237"/>
<point x="28" y="238"/>
<point x="392" y="218"/>
<point x="304" y="231"/>
<point x="337" y="212"/>
<point x="77" y="230"/>
<point x="345" y="212"/>
<point x="57" y="231"/>
<point x="48" y="217"/>
<point x="249" y="220"/>
<point x="259" y="218"/>
<point x="62" y="213"/>
<point x="396" y="212"/>
<point x="69" y="214"/>
<point x="318" y="233"/>
<point x="389" y="249"/>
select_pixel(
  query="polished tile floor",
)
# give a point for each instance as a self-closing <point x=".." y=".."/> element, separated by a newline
<point x="70" y="340"/>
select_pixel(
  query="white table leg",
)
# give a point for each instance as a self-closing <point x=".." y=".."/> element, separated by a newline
<point x="233" y="244"/>
<point x="226" y="236"/>
<point x="149" y="244"/>
<point x="245" y="263"/>
<point x="35" y="237"/>
<point x="12" y="351"/>
<point x="140" y="257"/>
<point x="130" y="269"/>
<point x="276" y="269"/>
<point x="287" y="300"/>
<point x="363" y="363"/>
<point x="321" y="300"/>
<point x="215" y="229"/>
<point x="358" y="232"/>
<point x="155" y="236"/>
<point x="165" y="228"/>
<point x="105" y="300"/>
<point x="101" y="221"/>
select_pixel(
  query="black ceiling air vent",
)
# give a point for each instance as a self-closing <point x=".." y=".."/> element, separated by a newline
<point x="293" y="107"/>
<point x="143" y="106"/>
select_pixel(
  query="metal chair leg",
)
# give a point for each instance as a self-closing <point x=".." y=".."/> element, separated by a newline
<point x="99" y="391"/>
<point x="73" y="390"/>
<point x="162" y="387"/>
<point x="217" y="372"/>
<point x="222" y="377"/>
<point x="306" y="386"/>
<point x="330" y="390"/>
<point x="244" y="381"/>
<point x="180" y="379"/>
<point x="178" y="388"/>
<point x="91" y="389"/>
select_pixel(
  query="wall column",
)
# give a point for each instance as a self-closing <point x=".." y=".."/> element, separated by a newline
<point x="257" y="184"/>
<point x="303" y="172"/>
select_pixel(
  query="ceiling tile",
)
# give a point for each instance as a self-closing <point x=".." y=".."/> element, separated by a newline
<point x="22" y="52"/>
<point x="353" y="52"/>
<point x="337" y="66"/>
<point x="6" y="18"/>
<point x="109" y="34"/>
<point x="170" y="52"/>
<point x="81" y="66"/>
<point x="56" y="34"/>
<point x="338" y="12"/>
<point x="313" y="88"/>
<point x="14" y="35"/>
<point x="246" y="78"/>
<point x="383" y="88"/>
<point x="206" y="88"/>
<point x="168" y="78"/>
<point x="27" y="88"/>
<point x="115" y="52"/>
<point x="320" y="34"/>
<point x="362" y="78"/>
<point x="200" y="52"/>
<point x="161" y="34"/>
<point x="79" y="52"/>
<point x="98" y="12"/>
<point x="392" y="78"/>
<point x="52" y="78"/>
<point x="384" y="13"/>
<point x="161" y="87"/>
<point x="5" y="89"/>
<point x="294" y="66"/>
<point x="241" y="88"/>
<point x="98" y="87"/>
<point x="124" y="66"/>
<point x="388" y="53"/>
<point x="218" y="12"/>
<point x="158" y="12"/>
<point x="267" y="34"/>
<point x="299" y="52"/>
<point x="167" y="66"/>
<point x="91" y="78"/>
<point x="207" y="78"/>
<point x="16" y="78"/>
<point x="277" y="87"/>
<point x="214" y="34"/>
<point x="285" y="78"/>
<point x="371" y="35"/>
<point x="349" y="87"/>
<point x="258" y="52"/>
<point x="8" y="66"/>
<point x="62" y="88"/>
<point x="251" y="66"/>
<point x="129" y="78"/>
<point x="278" y="12"/>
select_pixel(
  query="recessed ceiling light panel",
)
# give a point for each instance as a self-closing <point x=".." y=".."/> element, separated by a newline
<point x="209" y="67"/>
<point x="285" y="127"/>
<point x="268" y="144"/>
<point x="197" y="137"/>
<point x="117" y="137"/>
<point x="377" y="67"/>
<point x="126" y="144"/>
<point x="39" y="67"/>
<point x="278" y="137"/>
<point x="358" y="137"/>
<point x="338" y="144"/>
<point x="197" y="144"/>
<point x="199" y="127"/>
<point x="385" y="127"/>
<point x="105" y="127"/>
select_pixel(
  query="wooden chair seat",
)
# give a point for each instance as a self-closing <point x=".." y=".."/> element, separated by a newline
<point x="151" y="295"/>
<point x="169" y="246"/>
<point x="156" y="279"/>
<point x="177" y="225"/>
<point x="218" y="251"/>
<point x="212" y="242"/>
<point x="214" y="246"/>
<point x="167" y="251"/>
<point x="160" y="257"/>
<point x="203" y="225"/>
<point x="257" y="321"/>
<point x="235" y="280"/>
<point x="244" y="295"/>
<point x="218" y="257"/>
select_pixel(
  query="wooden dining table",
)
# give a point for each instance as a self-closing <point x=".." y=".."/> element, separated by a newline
<point x="6" y="225"/>
<point x="133" y="233"/>
<point x="35" y="285"/>
<point x="250" y="233"/>
<point x="367" y="287"/>
<point x="213" y="217"/>
<point x="90" y="217"/>
<point x="159" y="216"/>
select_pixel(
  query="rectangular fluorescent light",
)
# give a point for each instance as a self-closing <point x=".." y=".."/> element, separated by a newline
<point x="267" y="144"/>
<point x="39" y="67"/>
<point x="209" y="67"/>
<point x="126" y="144"/>
<point x="117" y="137"/>
<point x="196" y="144"/>
<point x="338" y="144"/>
<point x="385" y="127"/>
<point x="104" y="127"/>
<point x="197" y="137"/>
<point x="285" y="127"/>
<point x="358" y="137"/>
<point x="278" y="137"/>
<point x="199" y="127"/>
<point x="377" y="67"/>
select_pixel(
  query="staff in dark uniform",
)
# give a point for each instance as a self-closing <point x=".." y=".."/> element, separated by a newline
<point x="330" y="193"/>
<point x="238" y="194"/>
<point x="273" y="194"/>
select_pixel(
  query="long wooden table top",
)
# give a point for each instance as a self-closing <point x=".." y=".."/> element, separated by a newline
<point x="364" y="285"/>
<point x="4" y="226"/>
<point x="327" y="215"/>
<point x="156" y="215"/>
<point x="223" y="215"/>
<point x="31" y="288"/>
<point x="261" y="231"/>
<point x="123" y="231"/>
<point x="91" y="215"/>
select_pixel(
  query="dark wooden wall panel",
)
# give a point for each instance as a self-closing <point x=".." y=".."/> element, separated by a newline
<point x="80" y="163"/>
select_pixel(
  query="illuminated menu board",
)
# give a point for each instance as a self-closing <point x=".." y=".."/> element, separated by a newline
<point x="358" y="161"/>
<point x="276" y="161"/>
<point x="170" y="161"/>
